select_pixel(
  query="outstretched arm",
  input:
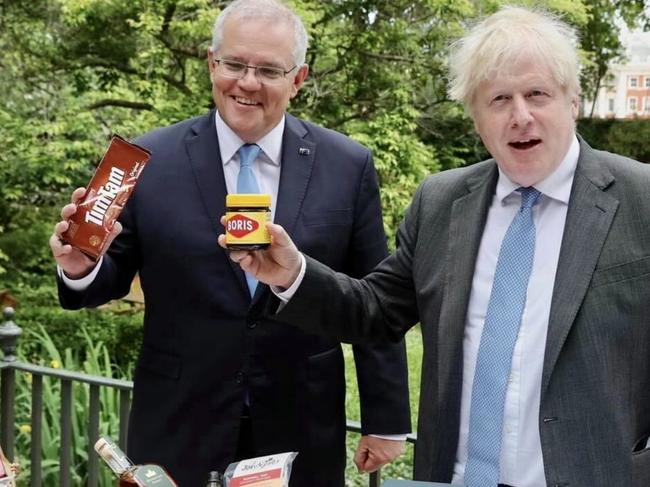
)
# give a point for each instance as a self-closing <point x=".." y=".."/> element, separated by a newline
<point x="279" y="265"/>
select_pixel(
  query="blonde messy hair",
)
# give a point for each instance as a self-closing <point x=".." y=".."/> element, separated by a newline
<point x="511" y="34"/>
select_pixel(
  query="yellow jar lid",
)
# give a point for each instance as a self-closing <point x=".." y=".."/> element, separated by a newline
<point x="248" y="200"/>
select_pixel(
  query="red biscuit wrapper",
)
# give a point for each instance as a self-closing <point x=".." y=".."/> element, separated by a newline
<point x="106" y="194"/>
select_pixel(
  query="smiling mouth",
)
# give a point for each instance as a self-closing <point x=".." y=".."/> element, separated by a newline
<point x="245" y="101"/>
<point x="525" y="144"/>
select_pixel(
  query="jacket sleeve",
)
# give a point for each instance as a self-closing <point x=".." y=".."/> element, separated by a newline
<point x="382" y="373"/>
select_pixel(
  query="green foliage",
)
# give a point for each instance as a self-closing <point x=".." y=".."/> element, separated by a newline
<point x="95" y="361"/>
<point x="401" y="160"/>
<point x="118" y="328"/>
<point x="624" y="137"/>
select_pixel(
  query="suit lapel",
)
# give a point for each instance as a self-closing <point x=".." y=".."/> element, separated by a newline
<point x="205" y="159"/>
<point x="589" y="217"/>
<point x="297" y="161"/>
<point x="298" y="155"/>
<point x="468" y="215"/>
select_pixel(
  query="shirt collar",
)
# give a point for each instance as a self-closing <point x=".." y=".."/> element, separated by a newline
<point x="556" y="185"/>
<point x="230" y="142"/>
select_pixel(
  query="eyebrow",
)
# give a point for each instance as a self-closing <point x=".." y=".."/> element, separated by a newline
<point x="239" y="59"/>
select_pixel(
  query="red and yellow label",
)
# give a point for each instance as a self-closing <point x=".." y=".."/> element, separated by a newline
<point x="247" y="228"/>
<point x="269" y="478"/>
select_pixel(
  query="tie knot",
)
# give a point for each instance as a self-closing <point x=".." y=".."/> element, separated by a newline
<point x="248" y="153"/>
<point x="529" y="196"/>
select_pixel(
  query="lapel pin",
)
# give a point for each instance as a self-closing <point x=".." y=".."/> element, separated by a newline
<point x="303" y="151"/>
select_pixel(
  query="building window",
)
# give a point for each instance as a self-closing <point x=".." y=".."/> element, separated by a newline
<point x="647" y="81"/>
<point x="634" y="82"/>
<point x="610" y="107"/>
<point x="631" y="104"/>
<point x="646" y="104"/>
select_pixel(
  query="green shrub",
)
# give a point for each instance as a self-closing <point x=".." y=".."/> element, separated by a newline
<point x="95" y="361"/>
<point x="625" y="137"/>
<point x="118" y="328"/>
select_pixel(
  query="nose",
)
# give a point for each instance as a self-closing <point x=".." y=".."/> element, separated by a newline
<point x="521" y="115"/>
<point x="249" y="81"/>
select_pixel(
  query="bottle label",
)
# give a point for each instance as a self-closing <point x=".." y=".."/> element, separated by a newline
<point x="153" y="475"/>
<point x="247" y="227"/>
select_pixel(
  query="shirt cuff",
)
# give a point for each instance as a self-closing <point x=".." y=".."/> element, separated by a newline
<point x="83" y="283"/>
<point x="288" y="293"/>
<point x="391" y="437"/>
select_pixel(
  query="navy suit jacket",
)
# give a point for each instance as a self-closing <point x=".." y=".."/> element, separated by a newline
<point x="206" y="344"/>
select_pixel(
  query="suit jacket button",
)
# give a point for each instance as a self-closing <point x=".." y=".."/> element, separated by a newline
<point x="252" y="324"/>
<point x="240" y="377"/>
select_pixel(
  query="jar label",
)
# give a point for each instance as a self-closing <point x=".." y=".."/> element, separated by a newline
<point x="247" y="227"/>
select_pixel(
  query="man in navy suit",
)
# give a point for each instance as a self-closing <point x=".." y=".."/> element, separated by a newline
<point x="215" y="381"/>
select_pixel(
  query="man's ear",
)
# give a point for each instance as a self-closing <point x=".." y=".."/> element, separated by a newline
<point x="211" y="65"/>
<point x="575" y="106"/>
<point x="299" y="79"/>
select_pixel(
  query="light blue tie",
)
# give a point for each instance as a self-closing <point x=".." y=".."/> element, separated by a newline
<point x="500" y="331"/>
<point x="247" y="183"/>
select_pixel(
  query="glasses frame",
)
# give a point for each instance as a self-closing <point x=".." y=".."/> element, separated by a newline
<point x="255" y="69"/>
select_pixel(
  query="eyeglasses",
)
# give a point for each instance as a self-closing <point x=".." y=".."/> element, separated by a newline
<point x="267" y="75"/>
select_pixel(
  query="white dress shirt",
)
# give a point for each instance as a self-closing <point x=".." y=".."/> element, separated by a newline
<point x="266" y="166"/>
<point x="521" y="462"/>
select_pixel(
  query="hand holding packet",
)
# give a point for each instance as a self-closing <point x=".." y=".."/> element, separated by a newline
<point x="106" y="194"/>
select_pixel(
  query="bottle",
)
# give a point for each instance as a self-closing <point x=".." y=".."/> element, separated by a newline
<point x="130" y="474"/>
<point x="215" y="479"/>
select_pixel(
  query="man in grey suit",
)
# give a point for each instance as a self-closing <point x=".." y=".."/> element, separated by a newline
<point x="529" y="273"/>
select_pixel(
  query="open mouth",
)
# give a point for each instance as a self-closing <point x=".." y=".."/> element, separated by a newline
<point x="245" y="101"/>
<point x="525" y="144"/>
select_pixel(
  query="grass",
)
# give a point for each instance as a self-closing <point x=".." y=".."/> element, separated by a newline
<point x="402" y="467"/>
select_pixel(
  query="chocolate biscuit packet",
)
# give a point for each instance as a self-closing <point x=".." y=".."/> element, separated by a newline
<point x="106" y="194"/>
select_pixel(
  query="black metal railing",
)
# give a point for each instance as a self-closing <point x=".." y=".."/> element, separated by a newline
<point x="10" y="365"/>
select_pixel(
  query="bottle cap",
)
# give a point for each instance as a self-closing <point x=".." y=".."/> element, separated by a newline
<point x="215" y="478"/>
<point x="112" y="455"/>
<point x="245" y="200"/>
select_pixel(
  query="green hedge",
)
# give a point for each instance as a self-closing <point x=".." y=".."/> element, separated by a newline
<point x="625" y="137"/>
<point x="118" y="328"/>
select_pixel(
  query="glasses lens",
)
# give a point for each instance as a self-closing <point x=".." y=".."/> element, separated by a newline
<point x="232" y="69"/>
<point x="265" y="74"/>
<point x="269" y="74"/>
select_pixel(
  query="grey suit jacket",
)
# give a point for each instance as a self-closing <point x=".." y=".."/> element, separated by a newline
<point x="594" y="417"/>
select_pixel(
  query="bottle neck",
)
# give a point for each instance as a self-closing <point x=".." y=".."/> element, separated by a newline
<point x="215" y="479"/>
<point x="114" y="457"/>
